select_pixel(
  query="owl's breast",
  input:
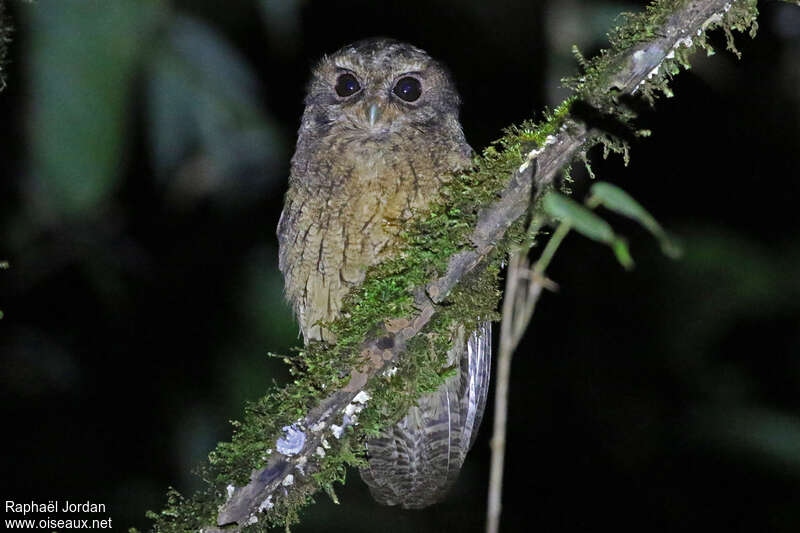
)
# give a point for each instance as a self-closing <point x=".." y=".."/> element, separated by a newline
<point x="344" y="213"/>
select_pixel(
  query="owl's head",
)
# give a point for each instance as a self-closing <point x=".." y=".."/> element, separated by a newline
<point x="378" y="86"/>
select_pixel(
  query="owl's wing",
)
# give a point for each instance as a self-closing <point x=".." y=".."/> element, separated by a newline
<point x="300" y="258"/>
<point x="415" y="462"/>
<point x="288" y="234"/>
<point x="479" y="366"/>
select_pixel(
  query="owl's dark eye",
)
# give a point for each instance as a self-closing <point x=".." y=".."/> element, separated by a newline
<point x="408" y="88"/>
<point x="347" y="85"/>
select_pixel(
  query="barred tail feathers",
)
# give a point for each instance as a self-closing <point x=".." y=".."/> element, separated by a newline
<point x="417" y="460"/>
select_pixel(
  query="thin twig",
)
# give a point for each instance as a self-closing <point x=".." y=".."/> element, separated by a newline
<point x="518" y="307"/>
<point x="501" y="396"/>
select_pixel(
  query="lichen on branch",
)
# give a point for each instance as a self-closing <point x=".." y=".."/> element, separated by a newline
<point x="394" y="329"/>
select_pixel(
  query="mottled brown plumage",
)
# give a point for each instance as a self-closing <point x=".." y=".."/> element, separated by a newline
<point x="379" y="135"/>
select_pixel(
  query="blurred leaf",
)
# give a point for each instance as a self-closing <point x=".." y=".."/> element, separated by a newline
<point x="204" y="112"/>
<point x="770" y="434"/>
<point x="742" y="271"/>
<point x="724" y="280"/>
<point x="82" y="56"/>
<point x="282" y="19"/>
<point x="613" y="198"/>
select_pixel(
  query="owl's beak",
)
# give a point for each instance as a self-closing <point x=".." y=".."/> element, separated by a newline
<point x="374" y="114"/>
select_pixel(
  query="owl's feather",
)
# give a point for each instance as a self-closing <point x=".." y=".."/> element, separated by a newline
<point x="414" y="463"/>
<point x="354" y="184"/>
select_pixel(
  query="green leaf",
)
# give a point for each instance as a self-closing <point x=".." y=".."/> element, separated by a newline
<point x="580" y="218"/>
<point x="623" y="255"/>
<point x="613" y="198"/>
<point x="587" y="223"/>
<point x="203" y="107"/>
<point x="82" y="57"/>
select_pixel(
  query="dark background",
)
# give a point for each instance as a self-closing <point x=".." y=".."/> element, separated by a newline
<point x="144" y="154"/>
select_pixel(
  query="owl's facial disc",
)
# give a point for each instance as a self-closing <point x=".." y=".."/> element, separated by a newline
<point x="379" y="87"/>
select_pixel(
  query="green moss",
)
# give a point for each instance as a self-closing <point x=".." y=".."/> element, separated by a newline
<point x="430" y="241"/>
<point x="596" y="83"/>
<point x="185" y="514"/>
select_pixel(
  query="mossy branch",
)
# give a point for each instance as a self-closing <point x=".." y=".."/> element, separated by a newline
<point x="394" y="330"/>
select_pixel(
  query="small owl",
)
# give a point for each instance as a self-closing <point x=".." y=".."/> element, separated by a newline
<point x="378" y="138"/>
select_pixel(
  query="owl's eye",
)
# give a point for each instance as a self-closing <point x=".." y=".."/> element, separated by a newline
<point x="347" y="85"/>
<point x="408" y="88"/>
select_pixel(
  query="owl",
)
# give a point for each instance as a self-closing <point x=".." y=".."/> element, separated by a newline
<point x="378" y="138"/>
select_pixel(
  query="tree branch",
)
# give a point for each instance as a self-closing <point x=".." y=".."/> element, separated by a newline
<point x="667" y="32"/>
<point x="384" y="348"/>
